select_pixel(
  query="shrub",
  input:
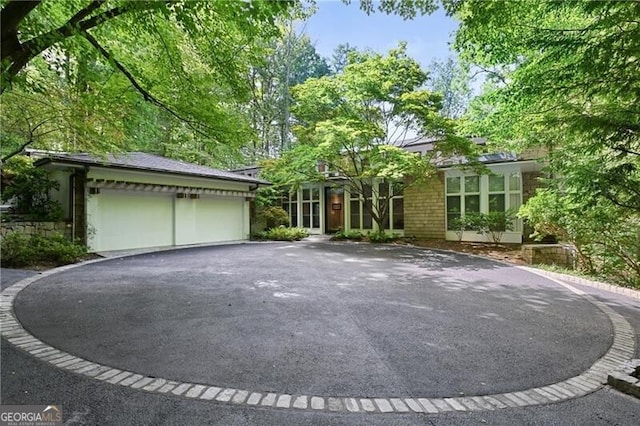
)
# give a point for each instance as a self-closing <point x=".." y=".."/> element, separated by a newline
<point x="274" y="217"/>
<point x="30" y="189"/>
<point x="353" y="235"/>
<point x="19" y="250"/>
<point x="381" y="237"/>
<point x="606" y="236"/>
<point x="281" y="234"/>
<point x="495" y="224"/>
<point x="464" y="223"/>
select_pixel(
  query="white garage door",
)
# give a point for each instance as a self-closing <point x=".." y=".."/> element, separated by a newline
<point x="120" y="220"/>
<point x="209" y="220"/>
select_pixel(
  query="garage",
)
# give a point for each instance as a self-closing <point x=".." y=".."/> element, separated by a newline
<point x="138" y="200"/>
<point x="209" y="219"/>
<point x="120" y="220"/>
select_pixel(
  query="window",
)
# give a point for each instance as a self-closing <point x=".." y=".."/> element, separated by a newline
<point x="515" y="197"/>
<point x="497" y="192"/>
<point x="311" y="208"/>
<point x="397" y="207"/>
<point x="463" y="195"/>
<point x="290" y="205"/>
<point x="360" y="211"/>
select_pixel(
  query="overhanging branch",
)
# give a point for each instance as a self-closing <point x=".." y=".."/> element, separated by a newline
<point x="145" y="93"/>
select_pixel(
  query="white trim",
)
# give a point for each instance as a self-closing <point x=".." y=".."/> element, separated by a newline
<point x="504" y="169"/>
<point x="146" y="187"/>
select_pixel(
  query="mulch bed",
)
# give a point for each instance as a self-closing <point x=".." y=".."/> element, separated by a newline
<point x="511" y="253"/>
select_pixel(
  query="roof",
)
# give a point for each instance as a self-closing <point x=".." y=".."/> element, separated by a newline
<point x="431" y="140"/>
<point x="143" y="162"/>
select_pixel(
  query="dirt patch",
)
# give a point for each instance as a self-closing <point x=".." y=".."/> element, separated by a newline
<point x="511" y="253"/>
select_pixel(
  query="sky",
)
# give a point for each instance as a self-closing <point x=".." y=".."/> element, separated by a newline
<point x="428" y="37"/>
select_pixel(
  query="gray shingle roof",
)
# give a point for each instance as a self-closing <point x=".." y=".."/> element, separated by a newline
<point x="145" y="162"/>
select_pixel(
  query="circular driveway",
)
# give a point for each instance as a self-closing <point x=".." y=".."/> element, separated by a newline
<point x="320" y="318"/>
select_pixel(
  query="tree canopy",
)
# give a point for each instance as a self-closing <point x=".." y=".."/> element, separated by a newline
<point x="170" y="77"/>
<point x="564" y="71"/>
<point x="157" y="75"/>
<point x="564" y="76"/>
<point x="355" y="123"/>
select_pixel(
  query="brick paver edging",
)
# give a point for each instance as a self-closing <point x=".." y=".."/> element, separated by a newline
<point x="621" y="351"/>
<point x="629" y="292"/>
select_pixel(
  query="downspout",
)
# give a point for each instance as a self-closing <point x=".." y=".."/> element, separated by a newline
<point x="72" y="203"/>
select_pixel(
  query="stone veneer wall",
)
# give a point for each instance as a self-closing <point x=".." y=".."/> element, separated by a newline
<point x="46" y="229"/>
<point x="549" y="254"/>
<point x="424" y="209"/>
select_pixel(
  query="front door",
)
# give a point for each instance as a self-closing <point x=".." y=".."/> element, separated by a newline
<point x="334" y="203"/>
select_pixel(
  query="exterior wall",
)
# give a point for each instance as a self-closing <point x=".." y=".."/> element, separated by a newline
<point x="114" y="219"/>
<point x="424" y="209"/>
<point x="37" y="228"/>
<point x="62" y="195"/>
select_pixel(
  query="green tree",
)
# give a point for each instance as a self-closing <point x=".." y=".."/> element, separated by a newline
<point x="564" y="71"/>
<point x="340" y="57"/>
<point x="101" y="61"/>
<point x="451" y="79"/>
<point x="30" y="191"/>
<point x="290" y="59"/>
<point x="564" y="76"/>
<point x="354" y="124"/>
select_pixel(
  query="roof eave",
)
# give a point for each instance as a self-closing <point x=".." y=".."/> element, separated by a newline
<point x="77" y="163"/>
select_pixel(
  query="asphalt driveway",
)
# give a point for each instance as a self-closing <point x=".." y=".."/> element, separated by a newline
<point x="320" y="318"/>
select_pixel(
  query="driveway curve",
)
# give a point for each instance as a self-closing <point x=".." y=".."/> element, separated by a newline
<point x="321" y="318"/>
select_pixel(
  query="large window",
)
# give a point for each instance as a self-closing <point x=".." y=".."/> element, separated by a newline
<point x="497" y="192"/>
<point x="463" y="195"/>
<point x="311" y="208"/>
<point x="360" y="217"/>
<point x="360" y="210"/>
<point x="290" y="205"/>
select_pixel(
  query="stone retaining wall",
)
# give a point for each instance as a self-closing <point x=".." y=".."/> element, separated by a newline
<point x="549" y="254"/>
<point x="46" y="229"/>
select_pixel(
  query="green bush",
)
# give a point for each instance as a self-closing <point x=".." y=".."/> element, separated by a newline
<point x="495" y="224"/>
<point x="274" y="217"/>
<point x="19" y="250"/>
<point x="353" y="235"/>
<point x="30" y="189"/>
<point x="464" y="223"/>
<point x="381" y="237"/>
<point x="606" y="236"/>
<point x="281" y="234"/>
